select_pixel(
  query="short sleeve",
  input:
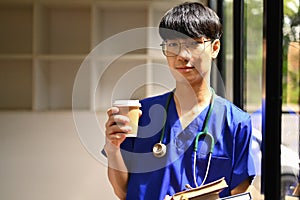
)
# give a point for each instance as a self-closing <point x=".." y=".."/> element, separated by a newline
<point x="243" y="164"/>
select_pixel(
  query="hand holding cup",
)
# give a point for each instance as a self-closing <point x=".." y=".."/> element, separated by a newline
<point x="130" y="109"/>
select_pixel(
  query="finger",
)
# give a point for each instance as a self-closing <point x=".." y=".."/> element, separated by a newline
<point x="167" y="197"/>
<point x="117" y="136"/>
<point x="117" y="119"/>
<point x="121" y="119"/>
<point x="115" y="129"/>
<point x="112" y="111"/>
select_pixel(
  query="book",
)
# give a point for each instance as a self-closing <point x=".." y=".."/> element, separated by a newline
<point x="291" y="198"/>
<point x="208" y="191"/>
<point x="242" y="196"/>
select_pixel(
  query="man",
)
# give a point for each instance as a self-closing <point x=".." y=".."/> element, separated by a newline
<point x="190" y="33"/>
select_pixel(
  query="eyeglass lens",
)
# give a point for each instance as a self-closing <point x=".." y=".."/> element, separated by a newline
<point x="172" y="48"/>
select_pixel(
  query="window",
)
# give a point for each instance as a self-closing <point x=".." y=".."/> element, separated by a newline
<point x="253" y="80"/>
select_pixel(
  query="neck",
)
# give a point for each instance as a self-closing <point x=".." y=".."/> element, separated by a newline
<point x="188" y="98"/>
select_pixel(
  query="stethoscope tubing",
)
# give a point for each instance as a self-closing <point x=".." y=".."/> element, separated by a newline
<point x="159" y="149"/>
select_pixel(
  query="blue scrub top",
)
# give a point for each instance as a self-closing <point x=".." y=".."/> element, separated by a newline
<point x="152" y="178"/>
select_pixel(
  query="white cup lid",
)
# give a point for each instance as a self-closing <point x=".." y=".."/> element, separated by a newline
<point x="127" y="103"/>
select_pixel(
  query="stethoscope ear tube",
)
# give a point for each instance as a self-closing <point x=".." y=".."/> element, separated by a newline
<point x="205" y="126"/>
<point x="212" y="141"/>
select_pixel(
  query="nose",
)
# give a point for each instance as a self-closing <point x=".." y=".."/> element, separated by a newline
<point x="184" y="52"/>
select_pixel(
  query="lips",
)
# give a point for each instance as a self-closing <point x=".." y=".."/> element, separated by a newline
<point x="184" y="68"/>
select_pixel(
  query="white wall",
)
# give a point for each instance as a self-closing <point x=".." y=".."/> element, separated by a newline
<point x="42" y="158"/>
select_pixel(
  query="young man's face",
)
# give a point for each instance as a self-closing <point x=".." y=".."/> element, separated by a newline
<point x="190" y="59"/>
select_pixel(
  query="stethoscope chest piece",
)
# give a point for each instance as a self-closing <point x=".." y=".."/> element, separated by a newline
<point x="159" y="150"/>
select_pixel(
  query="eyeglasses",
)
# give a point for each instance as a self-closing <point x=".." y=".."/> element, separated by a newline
<point x="172" y="48"/>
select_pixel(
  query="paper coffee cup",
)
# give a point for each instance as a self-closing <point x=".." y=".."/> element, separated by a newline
<point x="131" y="109"/>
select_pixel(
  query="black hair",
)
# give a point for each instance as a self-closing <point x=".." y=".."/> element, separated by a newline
<point x="190" y="19"/>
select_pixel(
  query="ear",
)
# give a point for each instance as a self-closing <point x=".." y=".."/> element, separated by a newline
<point x="215" y="48"/>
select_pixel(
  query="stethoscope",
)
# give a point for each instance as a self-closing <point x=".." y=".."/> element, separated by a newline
<point x="160" y="149"/>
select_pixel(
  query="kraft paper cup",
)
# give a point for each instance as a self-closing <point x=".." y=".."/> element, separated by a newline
<point x="131" y="109"/>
